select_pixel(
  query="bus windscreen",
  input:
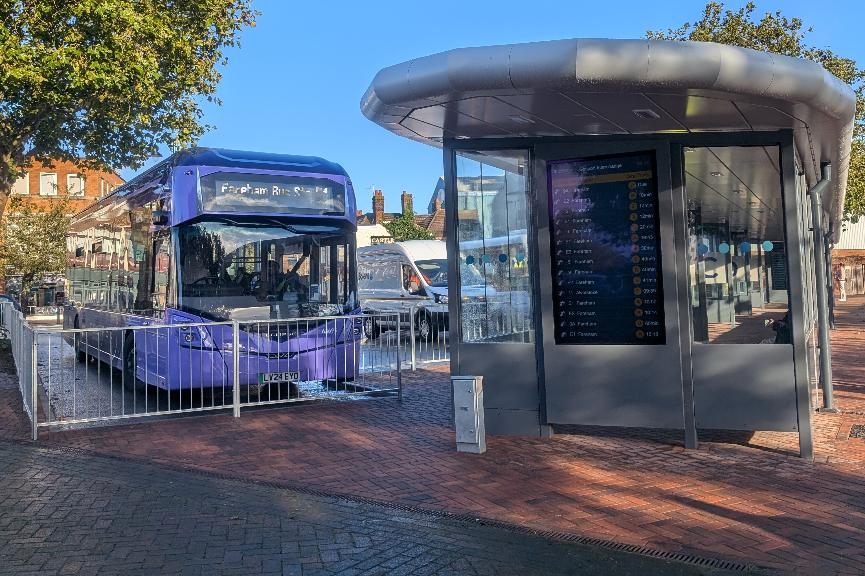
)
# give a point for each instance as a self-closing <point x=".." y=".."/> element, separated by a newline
<point x="268" y="193"/>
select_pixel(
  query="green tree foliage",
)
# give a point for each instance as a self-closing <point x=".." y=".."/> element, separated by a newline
<point x="108" y="80"/>
<point x="774" y="32"/>
<point x="405" y="228"/>
<point x="33" y="241"/>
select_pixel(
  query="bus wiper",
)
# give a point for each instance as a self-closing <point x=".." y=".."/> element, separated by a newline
<point x="286" y="227"/>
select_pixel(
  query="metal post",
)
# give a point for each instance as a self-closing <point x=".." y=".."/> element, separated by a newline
<point x="822" y="295"/>
<point x="398" y="357"/>
<point x="34" y="391"/>
<point x="411" y="335"/>
<point x="235" y="368"/>
<point x="830" y="281"/>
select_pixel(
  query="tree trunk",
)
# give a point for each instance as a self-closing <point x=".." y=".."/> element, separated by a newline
<point x="24" y="297"/>
<point x="8" y="176"/>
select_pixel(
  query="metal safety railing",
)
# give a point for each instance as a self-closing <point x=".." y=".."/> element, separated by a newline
<point x="502" y="317"/>
<point x="428" y="335"/>
<point x="425" y="331"/>
<point x="87" y="376"/>
<point x="21" y="338"/>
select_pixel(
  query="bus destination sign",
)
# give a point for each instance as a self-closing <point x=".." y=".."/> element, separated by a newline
<point x="606" y="258"/>
<point x="257" y="193"/>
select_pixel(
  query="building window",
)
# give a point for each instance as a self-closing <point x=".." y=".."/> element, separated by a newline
<point x="104" y="187"/>
<point x="47" y="184"/>
<point x="75" y="184"/>
<point x="22" y="186"/>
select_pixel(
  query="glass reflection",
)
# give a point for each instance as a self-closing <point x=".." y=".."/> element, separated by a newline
<point x="492" y="220"/>
<point x="737" y="256"/>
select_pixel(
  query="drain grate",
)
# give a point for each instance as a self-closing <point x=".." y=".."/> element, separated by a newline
<point x="694" y="560"/>
<point x="857" y="431"/>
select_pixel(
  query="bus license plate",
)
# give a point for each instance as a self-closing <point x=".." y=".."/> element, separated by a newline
<point x="277" y="377"/>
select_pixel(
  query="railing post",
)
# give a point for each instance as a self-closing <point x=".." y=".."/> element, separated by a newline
<point x="34" y="391"/>
<point x="412" y="339"/>
<point x="398" y="356"/>
<point x="235" y="368"/>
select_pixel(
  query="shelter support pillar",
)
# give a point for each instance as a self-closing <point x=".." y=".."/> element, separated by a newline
<point x="686" y="327"/>
<point x="793" y="197"/>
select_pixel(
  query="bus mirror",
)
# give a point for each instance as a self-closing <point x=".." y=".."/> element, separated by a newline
<point x="159" y="217"/>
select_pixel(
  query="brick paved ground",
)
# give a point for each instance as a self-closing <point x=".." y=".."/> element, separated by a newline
<point x="86" y="515"/>
<point x="741" y="496"/>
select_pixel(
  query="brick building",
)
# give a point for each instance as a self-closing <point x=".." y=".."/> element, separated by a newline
<point x="434" y="222"/>
<point x="44" y="183"/>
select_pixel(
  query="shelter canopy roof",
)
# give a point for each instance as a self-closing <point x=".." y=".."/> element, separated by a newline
<point x="603" y="86"/>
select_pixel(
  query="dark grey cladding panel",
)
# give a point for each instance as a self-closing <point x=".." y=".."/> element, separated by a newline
<point x="700" y="114"/>
<point x="509" y="371"/>
<point x="744" y="386"/>
<point x="619" y="109"/>
<point x="563" y="112"/>
<point x="511" y="422"/>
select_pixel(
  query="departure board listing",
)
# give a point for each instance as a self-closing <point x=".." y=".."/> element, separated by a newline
<point x="606" y="259"/>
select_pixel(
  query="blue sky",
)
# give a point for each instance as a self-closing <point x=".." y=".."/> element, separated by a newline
<point x="295" y="84"/>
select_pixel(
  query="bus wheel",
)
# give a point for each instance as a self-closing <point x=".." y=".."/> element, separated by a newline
<point x="423" y="325"/>
<point x="371" y="329"/>
<point x="80" y="355"/>
<point x="130" y="380"/>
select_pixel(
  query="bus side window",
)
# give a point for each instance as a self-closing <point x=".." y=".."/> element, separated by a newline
<point x="161" y="267"/>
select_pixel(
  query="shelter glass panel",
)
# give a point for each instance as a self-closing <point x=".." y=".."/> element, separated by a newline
<point x="493" y="216"/>
<point x="737" y="257"/>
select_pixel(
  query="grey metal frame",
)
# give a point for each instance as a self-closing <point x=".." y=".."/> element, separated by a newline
<point x="781" y="138"/>
<point x="615" y="395"/>
<point x="796" y="296"/>
<point x="686" y="327"/>
<point x="456" y="345"/>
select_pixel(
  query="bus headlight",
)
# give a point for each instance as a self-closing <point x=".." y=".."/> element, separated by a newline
<point x="441" y="298"/>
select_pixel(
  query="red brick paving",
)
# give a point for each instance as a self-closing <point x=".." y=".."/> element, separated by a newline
<point x="740" y="496"/>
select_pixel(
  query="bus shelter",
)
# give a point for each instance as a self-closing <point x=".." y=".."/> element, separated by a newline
<point x="649" y="222"/>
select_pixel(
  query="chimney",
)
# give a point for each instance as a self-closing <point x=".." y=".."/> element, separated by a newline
<point x="406" y="203"/>
<point x="377" y="207"/>
<point x="437" y="205"/>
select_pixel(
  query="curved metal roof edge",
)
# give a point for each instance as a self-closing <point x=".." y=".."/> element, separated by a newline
<point x="622" y="65"/>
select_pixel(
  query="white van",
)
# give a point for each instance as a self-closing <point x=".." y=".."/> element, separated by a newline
<point x="408" y="276"/>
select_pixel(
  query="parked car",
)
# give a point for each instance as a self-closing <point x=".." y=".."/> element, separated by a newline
<point x="409" y="277"/>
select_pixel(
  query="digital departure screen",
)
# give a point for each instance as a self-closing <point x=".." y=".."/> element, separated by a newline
<point x="606" y="258"/>
<point x="255" y="193"/>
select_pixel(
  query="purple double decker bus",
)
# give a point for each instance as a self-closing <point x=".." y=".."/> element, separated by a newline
<point x="211" y="245"/>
